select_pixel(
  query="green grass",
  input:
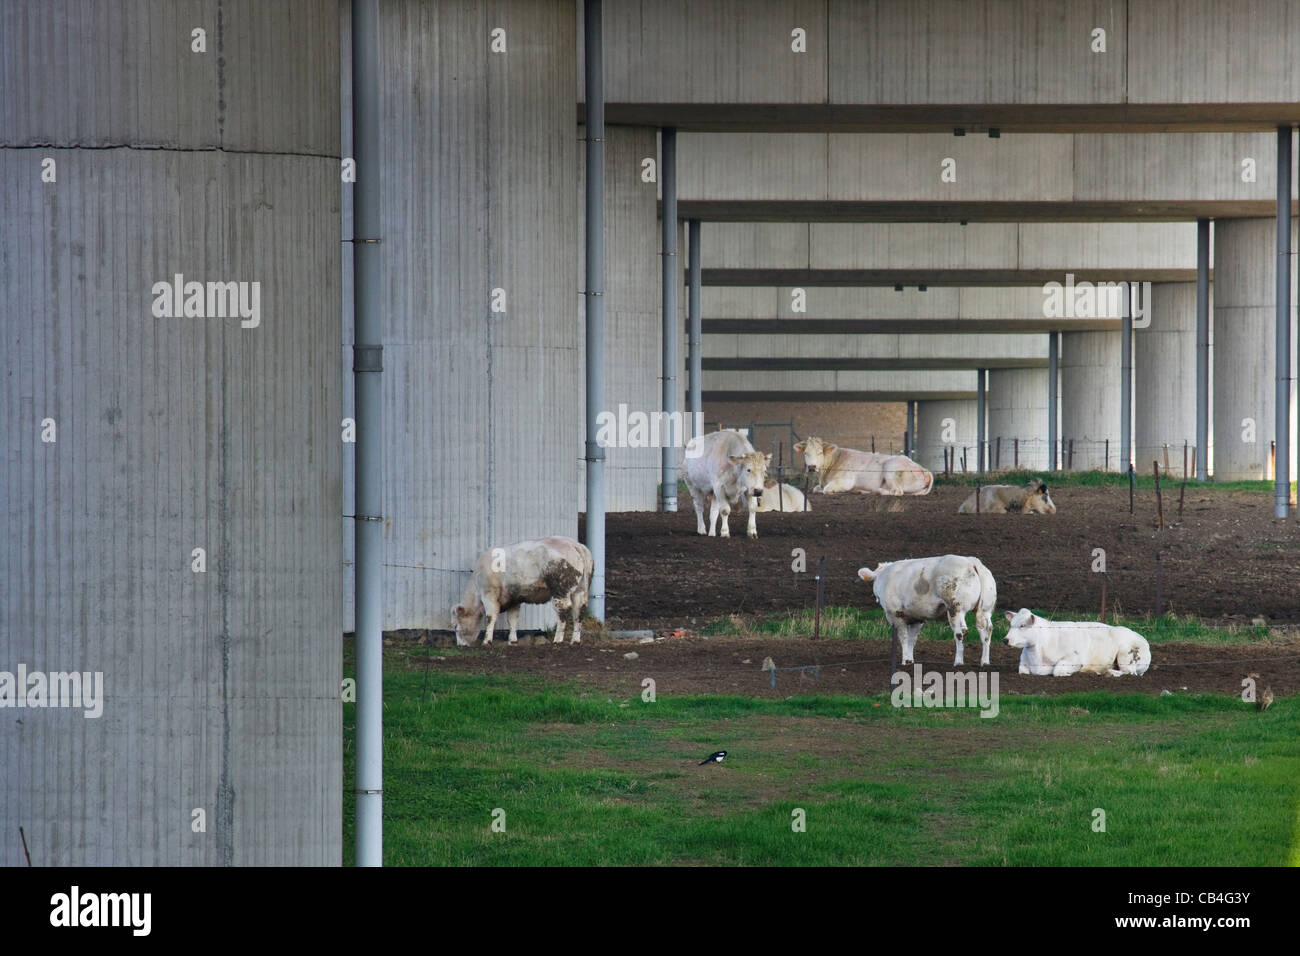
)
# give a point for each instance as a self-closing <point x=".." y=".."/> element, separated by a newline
<point x="585" y="779"/>
<point x="869" y="623"/>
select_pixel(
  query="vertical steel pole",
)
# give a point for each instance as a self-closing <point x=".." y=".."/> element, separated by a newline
<point x="1282" y="419"/>
<point x="910" y="451"/>
<point x="1126" y="379"/>
<point x="696" y="339"/>
<point x="595" y="300"/>
<point x="672" y="280"/>
<point x="1053" y="368"/>
<point x="981" y="404"/>
<point x="367" y="368"/>
<point x="1203" y="348"/>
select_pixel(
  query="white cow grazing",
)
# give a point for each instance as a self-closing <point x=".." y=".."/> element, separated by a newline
<point x="846" y="469"/>
<point x="724" y="464"/>
<point x="925" y="589"/>
<point x="556" y="569"/>
<point x="784" y="498"/>
<point x="1062" y="648"/>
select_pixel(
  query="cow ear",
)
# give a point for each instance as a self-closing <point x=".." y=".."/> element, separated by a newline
<point x="828" y="447"/>
<point x="458" y="610"/>
<point x="865" y="574"/>
<point x="1042" y="489"/>
<point x="1010" y="615"/>
<point x="736" y="459"/>
<point x="770" y="483"/>
<point x="799" y="447"/>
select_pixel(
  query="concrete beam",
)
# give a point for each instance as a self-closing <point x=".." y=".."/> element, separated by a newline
<point x="849" y="278"/>
<point x="1027" y="64"/>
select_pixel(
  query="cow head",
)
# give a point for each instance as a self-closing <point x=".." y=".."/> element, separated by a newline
<point x="815" y="451"/>
<point x="751" y="472"/>
<point x="469" y="621"/>
<point x="1019" y="620"/>
<point x="1037" y="500"/>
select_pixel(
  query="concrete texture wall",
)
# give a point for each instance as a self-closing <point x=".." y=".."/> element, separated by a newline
<point x="633" y="313"/>
<point x="1164" y="378"/>
<point x="482" y="408"/>
<point x="850" y="386"/>
<point x="888" y="351"/>
<point x="1090" y="399"/>
<point x="1017" y="403"/>
<point x="1245" y="373"/>
<point x="221" y="688"/>
<point x="946" y="425"/>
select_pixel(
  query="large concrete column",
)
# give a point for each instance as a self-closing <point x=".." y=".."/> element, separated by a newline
<point x="632" y="313"/>
<point x="1164" y="390"/>
<point x="1018" y="417"/>
<point x="136" y="436"/>
<point x="1245" y="370"/>
<point x="482" y="364"/>
<point x="1090" y="399"/>
<point x="942" y="424"/>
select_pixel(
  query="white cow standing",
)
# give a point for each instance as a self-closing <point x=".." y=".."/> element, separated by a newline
<point x="926" y="589"/>
<point x="723" y="464"/>
<point x="866" y="472"/>
<point x="554" y="569"/>
<point x="1062" y="648"/>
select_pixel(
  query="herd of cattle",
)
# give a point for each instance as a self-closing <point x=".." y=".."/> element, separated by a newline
<point x="723" y="470"/>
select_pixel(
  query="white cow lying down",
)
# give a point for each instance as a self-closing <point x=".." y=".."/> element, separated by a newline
<point x="868" y="473"/>
<point x="1062" y="648"/>
<point x="556" y="569"/>
<point x="925" y="589"/>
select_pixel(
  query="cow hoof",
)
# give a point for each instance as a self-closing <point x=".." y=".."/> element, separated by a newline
<point x="576" y="640"/>
<point x="513" y="640"/>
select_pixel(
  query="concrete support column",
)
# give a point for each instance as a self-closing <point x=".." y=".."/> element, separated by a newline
<point x="1018" y="418"/>
<point x="1245" y="370"/>
<point x="1164" y="389"/>
<point x="943" y="424"/>
<point x="145" y="444"/>
<point x="1090" y="400"/>
<point x="633" y="291"/>
<point x="497" y="375"/>
<point x="1202" y="349"/>
<point x="1053" y="402"/>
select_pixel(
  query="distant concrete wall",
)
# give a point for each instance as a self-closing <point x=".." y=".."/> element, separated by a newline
<point x="220" y="689"/>
<point x="946" y="425"/>
<point x="1164" y="373"/>
<point x="480" y="192"/>
<point x="1018" y="411"/>
<point x="1245" y="371"/>
<point x="1090" y="399"/>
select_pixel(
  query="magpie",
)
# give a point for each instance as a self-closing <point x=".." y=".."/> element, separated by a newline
<point x="717" y="757"/>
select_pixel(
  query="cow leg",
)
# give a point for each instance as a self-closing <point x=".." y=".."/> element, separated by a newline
<point x="512" y="616"/>
<point x="984" y="624"/>
<point x="575" y="611"/>
<point x="491" y="625"/>
<point x="715" y="506"/>
<point x="752" y="529"/>
<point x="698" y="501"/>
<point x="1067" y="665"/>
<point x="723" y="507"/>
<point x="958" y="624"/>
<point x="913" y="632"/>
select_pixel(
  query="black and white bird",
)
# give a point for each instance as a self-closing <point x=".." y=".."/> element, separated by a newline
<point x="716" y="757"/>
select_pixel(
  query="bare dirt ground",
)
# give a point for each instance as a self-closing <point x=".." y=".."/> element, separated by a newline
<point x="1226" y="561"/>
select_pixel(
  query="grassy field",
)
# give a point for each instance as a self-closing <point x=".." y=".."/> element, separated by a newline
<point x="869" y="623"/>
<point x="584" y="779"/>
